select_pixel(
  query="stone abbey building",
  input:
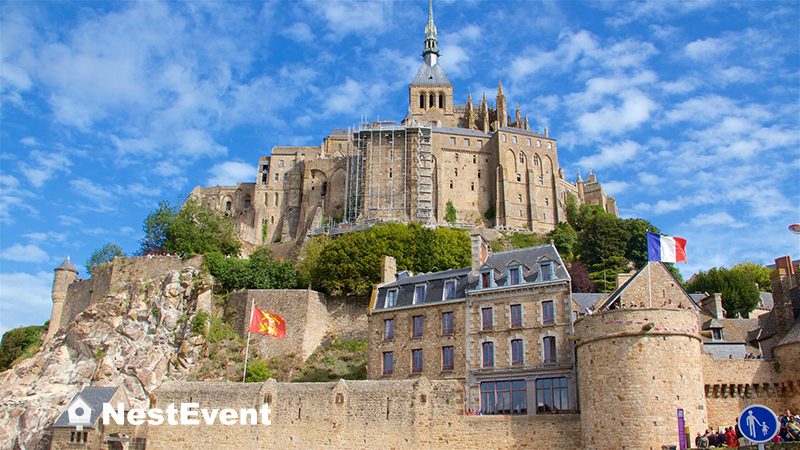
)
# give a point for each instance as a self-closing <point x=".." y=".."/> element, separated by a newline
<point x="484" y="159"/>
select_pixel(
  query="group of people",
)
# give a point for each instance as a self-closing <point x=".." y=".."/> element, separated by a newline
<point x="731" y="436"/>
<point x="476" y="412"/>
<point x="666" y="304"/>
<point x="753" y="356"/>
<point x="154" y="253"/>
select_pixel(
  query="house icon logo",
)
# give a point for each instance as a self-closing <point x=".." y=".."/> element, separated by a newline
<point x="79" y="414"/>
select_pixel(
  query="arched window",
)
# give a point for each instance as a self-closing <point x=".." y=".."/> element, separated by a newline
<point x="522" y="158"/>
<point x="247" y="203"/>
<point x="422" y="101"/>
<point x="441" y="101"/>
<point x="451" y="184"/>
<point x="272" y="219"/>
<point x="227" y="206"/>
<point x="432" y="101"/>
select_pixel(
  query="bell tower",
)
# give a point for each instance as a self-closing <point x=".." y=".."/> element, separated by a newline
<point x="430" y="99"/>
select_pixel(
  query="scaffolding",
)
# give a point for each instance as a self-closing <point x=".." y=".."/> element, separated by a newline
<point x="378" y="153"/>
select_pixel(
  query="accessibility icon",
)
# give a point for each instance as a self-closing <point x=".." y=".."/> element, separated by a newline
<point x="758" y="423"/>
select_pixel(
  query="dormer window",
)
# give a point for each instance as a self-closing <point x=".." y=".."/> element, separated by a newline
<point x="391" y="298"/>
<point x="449" y="289"/>
<point x="545" y="271"/>
<point x="486" y="279"/>
<point x="716" y="334"/>
<point x="419" y="294"/>
<point x="514" y="276"/>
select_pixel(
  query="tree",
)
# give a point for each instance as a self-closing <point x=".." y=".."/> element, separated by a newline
<point x="198" y="229"/>
<point x="260" y="271"/>
<point x="602" y="245"/>
<point x="581" y="281"/>
<point x="739" y="290"/>
<point x="102" y="255"/>
<point x="572" y="210"/>
<point x="564" y="238"/>
<point x="155" y="228"/>
<point x="450" y="212"/>
<point x="586" y="212"/>
<point x="757" y="272"/>
<point x="636" y="249"/>
<point x="20" y="343"/>
<point x="307" y="259"/>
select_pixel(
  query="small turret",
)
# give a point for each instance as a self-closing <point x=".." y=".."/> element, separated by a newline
<point x="65" y="274"/>
<point x="483" y="115"/>
<point x="518" y="119"/>
<point x="470" y="113"/>
<point x="502" y="115"/>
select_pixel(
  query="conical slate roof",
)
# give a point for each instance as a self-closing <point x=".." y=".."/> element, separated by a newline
<point x="67" y="265"/>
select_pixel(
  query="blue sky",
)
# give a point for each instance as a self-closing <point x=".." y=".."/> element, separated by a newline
<point x="686" y="111"/>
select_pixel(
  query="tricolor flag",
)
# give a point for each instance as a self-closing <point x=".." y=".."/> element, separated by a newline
<point x="665" y="248"/>
<point x="266" y="323"/>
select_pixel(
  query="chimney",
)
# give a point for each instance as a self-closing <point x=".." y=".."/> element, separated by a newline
<point x="783" y="280"/>
<point x="388" y="269"/>
<point x="712" y="304"/>
<point x="480" y="251"/>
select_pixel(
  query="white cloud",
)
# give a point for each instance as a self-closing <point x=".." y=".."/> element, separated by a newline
<point x="43" y="166"/>
<point x="230" y="173"/>
<point x="708" y="49"/>
<point x="612" y="155"/>
<point x="69" y="221"/>
<point x="635" y="109"/>
<point x="102" y="196"/>
<point x="299" y="31"/>
<point x="25" y="253"/>
<point x="25" y="299"/>
<point x="721" y="219"/>
<point x="615" y="187"/>
<point x="13" y="198"/>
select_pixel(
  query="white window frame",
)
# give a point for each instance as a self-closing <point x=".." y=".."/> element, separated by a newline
<point x="388" y="293"/>
<point x="416" y="300"/>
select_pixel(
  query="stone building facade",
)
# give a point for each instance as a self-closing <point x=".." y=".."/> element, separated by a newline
<point x="494" y="169"/>
<point x="500" y="327"/>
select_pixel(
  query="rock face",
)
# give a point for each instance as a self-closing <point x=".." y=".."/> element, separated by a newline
<point x="137" y="339"/>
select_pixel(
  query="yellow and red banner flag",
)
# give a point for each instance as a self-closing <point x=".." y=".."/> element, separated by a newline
<point x="266" y="323"/>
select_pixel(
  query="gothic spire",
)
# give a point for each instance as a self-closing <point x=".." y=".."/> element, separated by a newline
<point x="431" y="51"/>
<point x="518" y="118"/>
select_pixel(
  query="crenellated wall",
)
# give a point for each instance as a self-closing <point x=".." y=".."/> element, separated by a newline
<point x="402" y="414"/>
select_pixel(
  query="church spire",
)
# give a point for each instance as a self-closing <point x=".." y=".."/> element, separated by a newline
<point x="431" y="52"/>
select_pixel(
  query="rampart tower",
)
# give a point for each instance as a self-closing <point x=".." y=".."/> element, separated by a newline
<point x="65" y="274"/>
<point x="637" y="368"/>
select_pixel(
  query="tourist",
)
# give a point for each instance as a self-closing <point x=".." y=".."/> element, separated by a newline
<point x="730" y="437"/>
<point x="701" y="441"/>
<point x="712" y="438"/>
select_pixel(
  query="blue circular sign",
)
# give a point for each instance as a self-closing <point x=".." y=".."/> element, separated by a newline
<point x="759" y="424"/>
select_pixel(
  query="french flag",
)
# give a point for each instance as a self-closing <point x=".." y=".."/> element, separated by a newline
<point x="665" y="248"/>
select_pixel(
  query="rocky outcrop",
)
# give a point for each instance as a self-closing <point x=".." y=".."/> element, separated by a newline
<point x="137" y="338"/>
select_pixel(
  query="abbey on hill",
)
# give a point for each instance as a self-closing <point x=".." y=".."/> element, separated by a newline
<point x="494" y="169"/>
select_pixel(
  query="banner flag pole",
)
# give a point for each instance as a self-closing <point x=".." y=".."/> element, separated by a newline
<point x="649" y="288"/>
<point x="247" y="352"/>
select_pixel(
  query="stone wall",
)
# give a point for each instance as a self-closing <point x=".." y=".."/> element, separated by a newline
<point x="304" y="310"/>
<point x="634" y="378"/>
<point x="403" y="414"/>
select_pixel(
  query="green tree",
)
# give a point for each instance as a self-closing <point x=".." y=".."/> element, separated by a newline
<point x="739" y="290"/>
<point x="155" y="228"/>
<point x="260" y="271"/>
<point x="564" y="238"/>
<point x="572" y="210"/>
<point x="307" y="259"/>
<point x="450" y="212"/>
<point x="198" y="229"/>
<point x="602" y="245"/>
<point x="102" y="255"/>
<point x="757" y="272"/>
<point x="20" y="343"/>
<point x="586" y="212"/>
<point x="636" y="249"/>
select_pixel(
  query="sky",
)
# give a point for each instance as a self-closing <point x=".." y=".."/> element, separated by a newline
<point x="687" y="111"/>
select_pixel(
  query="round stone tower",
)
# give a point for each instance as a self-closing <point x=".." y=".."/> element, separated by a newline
<point x="637" y="368"/>
<point x="65" y="274"/>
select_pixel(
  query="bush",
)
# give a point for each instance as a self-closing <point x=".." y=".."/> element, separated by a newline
<point x="20" y="343"/>
<point x="257" y="371"/>
<point x="260" y="271"/>
<point x="199" y="322"/>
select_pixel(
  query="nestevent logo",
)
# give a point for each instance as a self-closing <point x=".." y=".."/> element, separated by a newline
<point x="188" y="414"/>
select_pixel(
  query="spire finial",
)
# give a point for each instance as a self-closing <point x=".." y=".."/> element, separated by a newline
<point x="431" y="42"/>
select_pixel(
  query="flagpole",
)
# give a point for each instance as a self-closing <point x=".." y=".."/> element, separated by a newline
<point x="649" y="288"/>
<point x="247" y="352"/>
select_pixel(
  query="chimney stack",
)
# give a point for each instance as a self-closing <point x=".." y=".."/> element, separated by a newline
<point x="388" y="269"/>
<point x="480" y="251"/>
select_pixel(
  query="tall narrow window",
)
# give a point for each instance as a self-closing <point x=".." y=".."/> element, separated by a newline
<point x="519" y="177"/>
<point x="421" y="101"/>
<point x="456" y="171"/>
<point x="514" y="139"/>
<point x="488" y="354"/>
<point x="277" y="196"/>
<point x="486" y="279"/>
<point x="479" y="173"/>
<point x="432" y="101"/>
<point x="388" y="363"/>
<point x="522" y="158"/>
<point x="529" y="142"/>
<point x="453" y="142"/>
<point x="486" y="315"/>
<point x="516" y="316"/>
<point x="416" y="330"/>
<point x="549" y="349"/>
<point x="517" y="355"/>
<point x="545" y="271"/>
<point x="416" y="360"/>
<point x="451" y="184"/>
<point x="227" y="206"/>
<point x="548" y="316"/>
<point x="475" y="158"/>
<point x="472" y="186"/>
<point x="391" y="298"/>
<point x="447" y="323"/>
<point x="441" y="101"/>
<point x="447" y="358"/>
<point x="519" y="198"/>
<point x="513" y="276"/>
<point x="419" y="294"/>
<point x="466" y="142"/>
<point x="449" y="289"/>
<point x="388" y="329"/>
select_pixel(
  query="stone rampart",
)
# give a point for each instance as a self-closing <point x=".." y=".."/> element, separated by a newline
<point x="637" y="367"/>
<point x="402" y="414"/>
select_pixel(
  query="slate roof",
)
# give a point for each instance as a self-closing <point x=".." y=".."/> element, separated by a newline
<point x="525" y="132"/>
<point x="620" y="289"/>
<point x="94" y="397"/>
<point x="461" y="131"/>
<point x="430" y="75"/>
<point x="733" y="330"/>
<point x="67" y="265"/>
<point x="766" y="301"/>
<point x="587" y="299"/>
<point x="793" y="336"/>
<point x="499" y="262"/>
